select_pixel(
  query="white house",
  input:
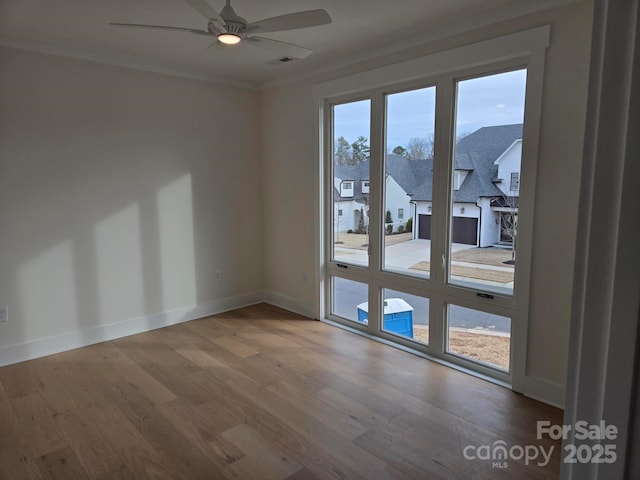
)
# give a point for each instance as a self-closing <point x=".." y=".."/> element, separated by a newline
<point x="351" y="200"/>
<point x="509" y="169"/>
<point x="485" y="189"/>
<point x="508" y="182"/>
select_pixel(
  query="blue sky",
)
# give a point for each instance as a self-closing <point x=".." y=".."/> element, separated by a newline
<point x="485" y="101"/>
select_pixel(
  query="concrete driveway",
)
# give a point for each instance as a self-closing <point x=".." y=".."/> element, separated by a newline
<point x="482" y="266"/>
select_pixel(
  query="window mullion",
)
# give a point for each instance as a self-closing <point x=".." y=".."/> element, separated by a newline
<point x="376" y="195"/>
<point x="376" y="172"/>
<point x="440" y="213"/>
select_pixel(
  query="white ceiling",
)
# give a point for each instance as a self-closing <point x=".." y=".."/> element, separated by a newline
<point x="360" y="29"/>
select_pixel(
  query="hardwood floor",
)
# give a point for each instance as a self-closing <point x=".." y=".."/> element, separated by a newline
<point x="258" y="393"/>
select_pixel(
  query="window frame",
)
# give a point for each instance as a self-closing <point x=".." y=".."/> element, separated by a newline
<point x="521" y="49"/>
<point x="515" y="175"/>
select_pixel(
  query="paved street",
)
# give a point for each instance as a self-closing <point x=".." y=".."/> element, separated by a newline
<point x="411" y="256"/>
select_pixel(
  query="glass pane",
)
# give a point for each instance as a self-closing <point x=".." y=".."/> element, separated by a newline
<point x="351" y="129"/>
<point x="479" y="336"/>
<point x="347" y="296"/>
<point x="486" y="181"/>
<point x="410" y="126"/>
<point x="406" y="315"/>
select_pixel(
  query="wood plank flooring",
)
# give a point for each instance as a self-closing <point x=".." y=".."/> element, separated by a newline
<point x="257" y="393"/>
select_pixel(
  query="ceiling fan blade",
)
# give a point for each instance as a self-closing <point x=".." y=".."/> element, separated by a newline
<point x="279" y="48"/>
<point x="163" y="27"/>
<point x="291" y="21"/>
<point x="205" y="9"/>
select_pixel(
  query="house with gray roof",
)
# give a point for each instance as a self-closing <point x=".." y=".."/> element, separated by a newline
<point x="485" y="189"/>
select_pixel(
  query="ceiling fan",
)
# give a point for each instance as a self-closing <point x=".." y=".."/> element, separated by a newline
<point x="230" y="29"/>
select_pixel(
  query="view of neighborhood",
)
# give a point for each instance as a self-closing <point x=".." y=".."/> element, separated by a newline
<point x="484" y="207"/>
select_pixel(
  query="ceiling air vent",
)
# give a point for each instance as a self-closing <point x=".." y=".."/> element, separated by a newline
<point x="281" y="60"/>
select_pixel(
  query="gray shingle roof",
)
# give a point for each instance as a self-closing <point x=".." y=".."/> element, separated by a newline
<point x="357" y="173"/>
<point x="474" y="153"/>
<point x="479" y="150"/>
<point x="414" y="176"/>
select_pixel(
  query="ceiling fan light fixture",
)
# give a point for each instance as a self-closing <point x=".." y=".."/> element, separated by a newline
<point x="229" y="38"/>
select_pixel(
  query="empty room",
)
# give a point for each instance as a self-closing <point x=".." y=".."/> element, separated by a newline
<point x="319" y="239"/>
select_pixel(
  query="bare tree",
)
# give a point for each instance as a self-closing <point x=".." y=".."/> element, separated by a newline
<point x="509" y="221"/>
<point x="420" y="148"/>
<point x="342" y="151"/>
<point x="417" y="148"/>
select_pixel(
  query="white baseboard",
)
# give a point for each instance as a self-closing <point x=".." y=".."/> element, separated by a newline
<point x="542" y="390"/>
<point x="102" y="333"/>
<point x="545" y="391"/>
<point x="292" y="304"/>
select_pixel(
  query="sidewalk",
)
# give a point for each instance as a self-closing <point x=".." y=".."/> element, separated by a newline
<point x="470" y="263"/>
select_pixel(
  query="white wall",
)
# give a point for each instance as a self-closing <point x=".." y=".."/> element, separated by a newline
<point x="395" y="198"/>
<point x="121" y="192"/>
<point x="291" y="163"/>
<point x="349" y="218"/>
<point x="422" y="208"/>
<point x="489" y="223"/>
<point x="509" y="162"/>
<point x="470" y="210"/>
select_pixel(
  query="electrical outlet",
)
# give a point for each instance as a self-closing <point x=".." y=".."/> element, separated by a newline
<point x="4" y="314"/>
<point x="218" y="276"/>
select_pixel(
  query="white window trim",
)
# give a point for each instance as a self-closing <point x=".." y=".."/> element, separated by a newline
<point x="517" y="181"/>
<point x="527" y="47"/>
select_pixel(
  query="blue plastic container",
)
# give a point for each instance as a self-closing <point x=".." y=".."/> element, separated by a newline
<point x="398" y="316"/>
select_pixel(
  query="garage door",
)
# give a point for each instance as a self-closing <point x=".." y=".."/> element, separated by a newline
<point x="465" y="230"/>
<point x="424" y="227"/>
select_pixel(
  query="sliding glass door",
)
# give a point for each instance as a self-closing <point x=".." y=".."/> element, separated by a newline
<point x="422" y="192"/>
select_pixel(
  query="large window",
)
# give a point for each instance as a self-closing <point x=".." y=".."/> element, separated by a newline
<point x="487" y="145"/>
<point x="350" y="161"/>
<point x="408" y="176"/>
<point x="434" y="254"/>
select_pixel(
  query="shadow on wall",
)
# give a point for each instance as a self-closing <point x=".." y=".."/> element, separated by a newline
<point x="118" y="195"/>
<point x="136" y="258"/>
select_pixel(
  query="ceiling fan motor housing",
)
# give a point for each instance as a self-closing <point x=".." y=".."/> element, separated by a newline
<point x="232" y="28"/>
<point x="233" y="22"/>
